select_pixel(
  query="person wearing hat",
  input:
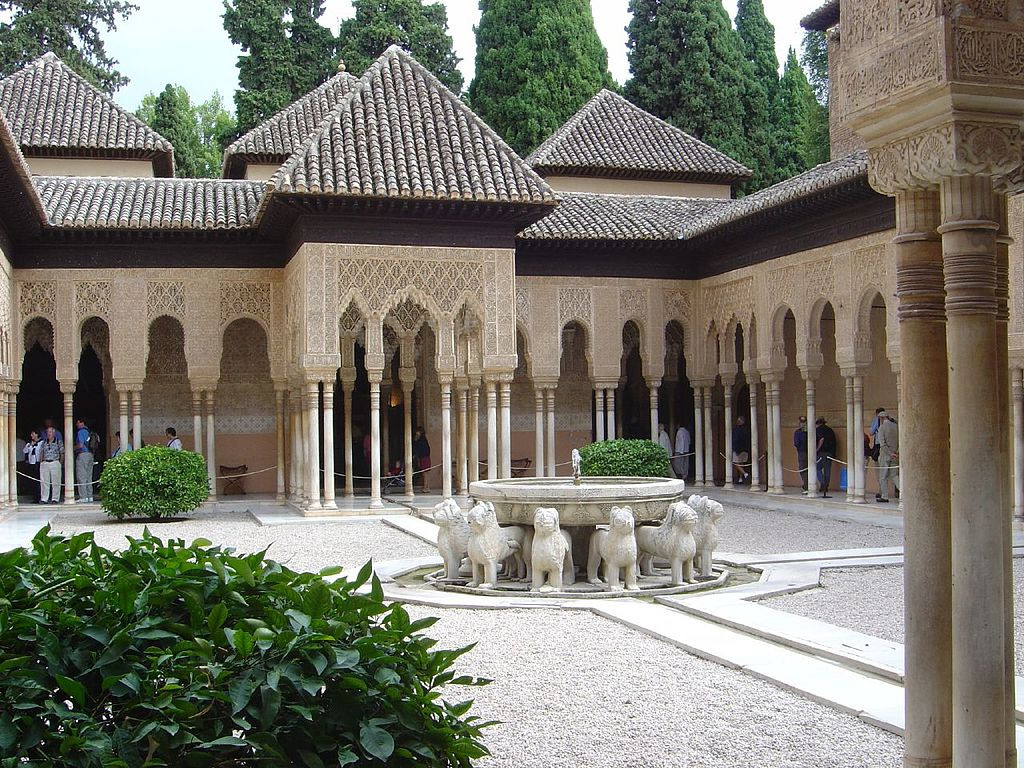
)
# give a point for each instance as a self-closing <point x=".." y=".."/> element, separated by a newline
<point x="800" y="443"/>
<point x="826" y="451"/>
<point x="888" y="441"/>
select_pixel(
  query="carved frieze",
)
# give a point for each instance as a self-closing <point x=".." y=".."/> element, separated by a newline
<point x="38" y="298"/>
<point x="633" y="304"/>
<point x="523" y="306"/>
<point x="244" y="298"/>
<point x="574" y="304"/>
<point x="165" y="297"/>
<point x="92" y="297"/>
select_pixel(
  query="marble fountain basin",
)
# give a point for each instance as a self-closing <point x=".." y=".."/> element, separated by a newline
<point x="516" y="499"/>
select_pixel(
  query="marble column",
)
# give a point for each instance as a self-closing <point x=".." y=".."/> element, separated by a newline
<point x="549" y="407"/>
<point x="1018" y="443"/>
<point x="407" y="390"/>
<point x="295" y="451"/>
<point x="599" y="414"/>
<point x="609" y="400"/>
<point x="780" y="475"/>
<point x="812" y="442"/>
<point x="697" y="444"/>
<point x="729" y="468"/>
<point x="538" y="426"/>
<point x="211" y="444"/>
<point x="279" y="419"/>
<point x="8" y="457"/>
<point x="386" y="385"/>
<point x="492" y="429"/>
<point x="313" y="443"/>
<point x="136" y="428"/>
<point x="474" y="430"/>
<point x="347" y="385"/>
<point x="12" y="441"/>
<point x="755" y="442"/>
<point x="859" y="461"/>
<point x="462" y="449"/>
<point x="968" y="229"/>
<point x="197" y="421"/>
<point x="123" y="408"/>
<point x="303" y="437"/>
<point x="851" y="440"/>
<point x="770" y="436"/>
<point x="329" y="501"/>
<point x="654" y="410"/>
<point x="505" y="446"/>
<point x="375" y="498"/>
<point x="68" y="391"/>
<point x="709" y="442"/>
<point x="446" y="437"/>
<point x="670" y="402"/>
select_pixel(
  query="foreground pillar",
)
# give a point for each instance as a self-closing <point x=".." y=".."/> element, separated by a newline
<point x="812" y="440"/>
<point x="859" y="461"/>
<point x="279" y="418"/>
<point x="968" y="246"/>
<point x="123" y="409"/>
<point x="313" y="443"/>
<point x="346" y="393"/>
<point x="68" y="391"/>
<point x="1018" y="443"/>
<point x="538" y="427"/>
<point x="474" y="430"/>
<point x="755" y="437"/>
<point x="654" y="411"/>
<point x="12" y="441"/>
<point x="375" y="497"/>
<point x="8" y="457"/>
<point x="197" y="421"/>
<point x="407" y="389"/>
<point x="462" y="449"/>
<point x="780" y="475"/>
<point x="293" y="448"/>
<point x="329" y="502"/>
<point x="549" y="403"/>
<point x="492" y="430"/>
<point x="136" y="428"/>
<point x="698" y="435"/>
<point x="446" y="437"/>
<point x="505" y="446"/>
<point x="211" y="452"/>
<point x="598" y="414"/>
<point x="729" y="469"/>
<point x="924" y="476"/>
<point x="850" y="439"/>
<point x="709" y="441"/>
<point x="609" y="399"/>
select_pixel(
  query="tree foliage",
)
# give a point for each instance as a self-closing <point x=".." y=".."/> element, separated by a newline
<point x="688" y="68"/>
<point x="286" y="54"/>
<point x="757" y="40"/>
<point x="68" y="28"/>
<point x="154" y="481"/>
<point x="814" y="58"/>
<point x="796" y="108"/>
<point x="418" y="27"/>
<point x="537" y="63"/>
<point x="199" y="132"/>
<point x="175" y="655"/>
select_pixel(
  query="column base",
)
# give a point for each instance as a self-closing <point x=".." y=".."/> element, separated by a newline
<point x="409" y="495"/>
<point x="313" y="506"/>
<point x="376" y="504"/>
<point x="777" y="491"/>
<point x="330" y="504"/>
<point x="729" y="486"/>
<point x="280" y="497"/>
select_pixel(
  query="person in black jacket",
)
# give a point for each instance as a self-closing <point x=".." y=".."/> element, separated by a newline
<point x="826" y="452"/>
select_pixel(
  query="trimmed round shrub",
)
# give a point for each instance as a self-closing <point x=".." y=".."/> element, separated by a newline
<point x="624" y="458"/>
<point x="154" y="481"/>
<point x="194" y="657"/>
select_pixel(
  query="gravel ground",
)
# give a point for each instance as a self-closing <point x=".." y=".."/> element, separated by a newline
<point x="300" y="546"/>
<point x="870" y="600"/>
<point x="572" y="693"/>
<point x="761" y="532"/>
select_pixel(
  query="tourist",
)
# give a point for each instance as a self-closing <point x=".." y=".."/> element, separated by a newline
<point x="173" y="441"/>
<point x="741" y="451"/>
<point x="800" y="443"/>
<point x="888" y="441"/>
<point x="826" y="451"/>
<point x="664" y="440"/>
<point x="32" y="451"/>
<point x="50" y="456"/>
<point x="84" y="461"/>
<point x="47" y="423"/>
<point x="421" y="457"/>
<point x="681" y="460"/>
<point x="120" y="448"/>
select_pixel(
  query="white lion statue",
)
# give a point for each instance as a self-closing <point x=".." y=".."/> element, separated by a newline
<point x="452" y="536"/>
<point x="488" y="545"/>
<point x="550" y="553"/>
<point x="672" y="540"/>
<point x="709" y="512"/>
<point x="616" y="548"/>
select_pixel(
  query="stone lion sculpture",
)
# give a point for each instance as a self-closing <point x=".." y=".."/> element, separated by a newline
<point x="488" y="545"/>
<point x="709" y="512"/>
<point x="616" y="548"/>
<point x="452" y="536"/>
<point x="672" y="540"/>
<point x="551" y="553"/>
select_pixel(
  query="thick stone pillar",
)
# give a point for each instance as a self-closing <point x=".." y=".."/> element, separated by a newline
<point x="729" y="469"/>
<point x="609" y="400"/>
<point x="1018" y="443"/>
<point x="698" y="435"/>
<point x="492" y="429"/>
<point x="462" y="449"/>
<point x="812" y="441"/>
<point x="599" y="414"/>
<point x="969" y="224"/>
<point x="859" y="463"/>
<point x="67" y="389"/>
<point x="446" y="435"/>
<point x="924" y="477"/>
<point x="505" y="446"/>
<point x="549" y="401"/>
<point x="375" y="497"/>
<point x="474" y="429"/>
<point x="211" y="444"/>
<point x="347" y="385"/>
<point x="538" y="427"/>
<point x="709" y="441"/>
<point x="280" y="414"/>
<point x="123" y="408"/>
<point x="329" y="502"/>
<point x="313" y="443"/>
<point x="407" y="390"/>
<point x="755" y="437"/>
<point x="197" y="421"/>
<point x="653" y="389"/>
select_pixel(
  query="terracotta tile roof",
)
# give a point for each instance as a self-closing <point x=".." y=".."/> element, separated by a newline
<point x="181" y="204"/>
<point x="279" y="136"/>
<point x="610" y="136"/>
<point x="22" y="208"/>
<point x="823" y="17"/>
<point x="400" y="133"/>
<point x="794" y="191"/>
<point x="588" y="216"/>
<point x="54" y="111"/>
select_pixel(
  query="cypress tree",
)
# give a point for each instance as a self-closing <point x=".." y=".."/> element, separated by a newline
<point x="814" y="58"/>
<point x="757" y="40"/>
<point x="173" y="118"/>
<point x="537" y="63"/>
<point x="795" y="109"/>
<point x="689" y="70"/>
<point x="422" y="29"/>
<point x="312" y="46"/>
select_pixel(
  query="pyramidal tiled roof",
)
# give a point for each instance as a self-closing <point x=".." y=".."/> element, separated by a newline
<point x="399" y="133"/>
<point x="610" y="136"/>
<point x="54" y="111"/>
<point x="277" y="137"/>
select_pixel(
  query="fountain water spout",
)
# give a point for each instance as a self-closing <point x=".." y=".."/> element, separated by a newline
<point x="576" y="466"/>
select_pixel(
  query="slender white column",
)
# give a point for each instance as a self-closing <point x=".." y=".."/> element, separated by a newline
<point x="549" y="406"/>
<point x="769" y="442"/>
<point x="462" y="449"/>
<point x="197" y="421"/>
<point x="12" y="441"/>
<point x="755" y="441"/>
<point x="780" y="474"/>
<point x="505" y="446"/>
<point x="386" y="385"/>
<point x="492" y="430"/>
<point x="729" y="469"/>
<point x="446" y="438"/>
<point x="1018" y="443"/>
<point x="709" y="441"/>
<point x="137" y="418"/>
<point x="313" y="443"/>
<point x="295" y="451"/>
<point x="375" y="497"/>
<point x="8" y="458"/>
<point x="123" y="407"/>
<point x="609" y="400"/>
<point x="407" y="388"/>
<point x="211" y="444"/>
<point x="303" y="437"/>
<point x="279" y="418"/>
<point x="538" y="431"/>
<point x="68" y="391"/>
<point x="851" y="444"/>
<point x="599" y="414"/>
<point x="697" y="444"/>
<point x="653" y="389"/>
<point x="474" y="431"/>
<point x="859" y="461"/>
<point x="346" y="390"/>
<point x="329" y="502"/>
<point x="812" y="441"/>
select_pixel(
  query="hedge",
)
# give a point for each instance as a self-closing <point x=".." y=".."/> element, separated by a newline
<point x="154" y="481"/>
<point x="624" y="458"/>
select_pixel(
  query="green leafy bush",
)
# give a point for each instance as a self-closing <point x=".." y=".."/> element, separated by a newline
<point x="167" y="655"/>
<point x="154" y="481"/>
<point x="624" y="458"/>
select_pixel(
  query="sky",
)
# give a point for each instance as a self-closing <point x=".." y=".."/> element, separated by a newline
<point x="184" y="42"/>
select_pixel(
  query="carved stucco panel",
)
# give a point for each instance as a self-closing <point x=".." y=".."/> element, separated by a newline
<point x="633" y="305"/>
<point x="523" y="306"/>
<point x="92" y="298"/>
<point x="575" y="304"/>
<point x="37" y="298"/>
<point x="723" y="301"/>
<point x="165" y="297"/>
<point x="244" y="299"/>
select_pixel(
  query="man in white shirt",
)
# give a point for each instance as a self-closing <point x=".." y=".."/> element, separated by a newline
<point x="664" y="440"/>
<point x="173" y="441"/>
<point x="681" y="462"/>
